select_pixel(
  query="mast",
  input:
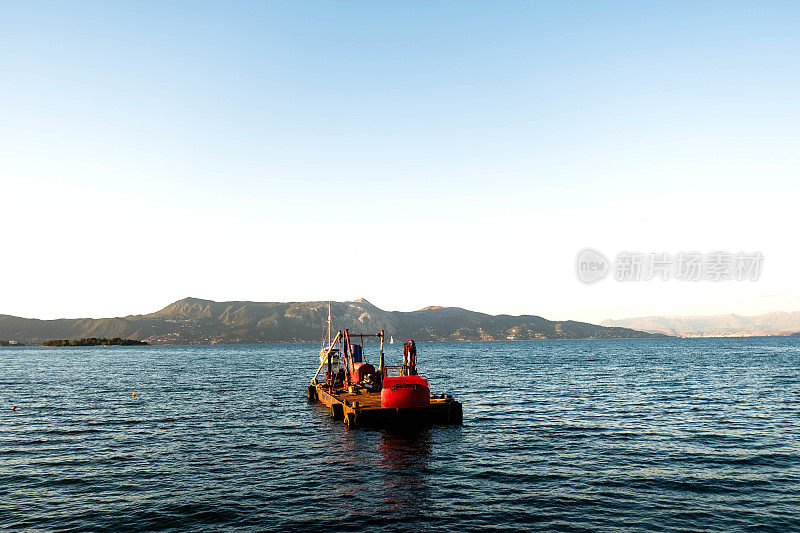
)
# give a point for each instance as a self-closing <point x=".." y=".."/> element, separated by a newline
<point x="381" y="367"/>
<point x="329" y="323"/>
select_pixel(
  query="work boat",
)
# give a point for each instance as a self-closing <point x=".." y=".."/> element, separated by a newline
<point x="353" y="390"/>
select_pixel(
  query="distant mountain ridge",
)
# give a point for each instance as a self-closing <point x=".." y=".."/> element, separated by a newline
<point x="196" y="321"/>
<point x="730" y="325"/>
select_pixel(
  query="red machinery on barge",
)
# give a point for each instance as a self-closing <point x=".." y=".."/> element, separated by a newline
<point x="362" y="396"/>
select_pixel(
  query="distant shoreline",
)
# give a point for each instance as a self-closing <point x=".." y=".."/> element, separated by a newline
<point x="316" y="343"/>
<point x="93" y="341"/>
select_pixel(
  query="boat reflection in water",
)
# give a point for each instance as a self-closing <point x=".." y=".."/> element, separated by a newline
<point x="395" y="480"/>
<point x="403" y="467"/>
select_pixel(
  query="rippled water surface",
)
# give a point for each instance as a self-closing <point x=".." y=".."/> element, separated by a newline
<point x="694" y="434"/>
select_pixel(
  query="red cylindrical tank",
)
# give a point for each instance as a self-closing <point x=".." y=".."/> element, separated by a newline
<point x="405" y="391"/>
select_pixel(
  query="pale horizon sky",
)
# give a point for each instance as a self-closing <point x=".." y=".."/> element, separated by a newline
<point x="414" y="154"/>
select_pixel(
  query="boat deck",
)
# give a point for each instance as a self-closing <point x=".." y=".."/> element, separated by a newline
<point x="363" y="409"/>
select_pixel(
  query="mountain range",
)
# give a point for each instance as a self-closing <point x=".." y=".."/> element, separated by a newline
<point x="730" y="325"/>
<point x="196" y="321"/>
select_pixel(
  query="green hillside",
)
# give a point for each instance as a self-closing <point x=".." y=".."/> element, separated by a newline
<point x="196" y="321"/>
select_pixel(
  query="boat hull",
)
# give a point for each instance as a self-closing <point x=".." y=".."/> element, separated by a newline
<point x="363" y="409"/>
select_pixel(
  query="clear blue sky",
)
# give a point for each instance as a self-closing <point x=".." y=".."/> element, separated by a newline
<point x="229" y="144"/>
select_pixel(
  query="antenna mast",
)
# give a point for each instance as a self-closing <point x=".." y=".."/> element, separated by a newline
<point x="329" y="323"/>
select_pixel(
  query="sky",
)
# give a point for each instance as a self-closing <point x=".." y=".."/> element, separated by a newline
<point x="411" y="153"/>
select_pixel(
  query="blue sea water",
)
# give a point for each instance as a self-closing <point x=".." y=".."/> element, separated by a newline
<point x="656" y="434"/>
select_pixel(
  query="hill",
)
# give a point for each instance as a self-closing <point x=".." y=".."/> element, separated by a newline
<point x="730" y="325"/>
<point x="196" y="321"/>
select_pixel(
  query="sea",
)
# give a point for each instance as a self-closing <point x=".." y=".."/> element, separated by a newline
<point x="564" y="435"/>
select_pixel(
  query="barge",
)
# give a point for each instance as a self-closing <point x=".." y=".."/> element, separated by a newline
<point x="393" y="395"/>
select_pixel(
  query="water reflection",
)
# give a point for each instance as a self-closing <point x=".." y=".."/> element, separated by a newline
<point x="404" y="471"/>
